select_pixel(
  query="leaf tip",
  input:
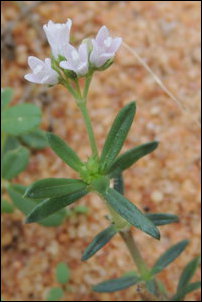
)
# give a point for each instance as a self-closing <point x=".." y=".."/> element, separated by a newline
<point x="84" y="257"/>
<point x="29" y="219"/>
<point x="158" y="235"/>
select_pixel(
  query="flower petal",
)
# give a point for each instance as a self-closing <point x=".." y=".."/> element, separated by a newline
<point x="102" y="34"/>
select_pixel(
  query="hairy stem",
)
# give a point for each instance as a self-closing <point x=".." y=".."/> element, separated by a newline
<point x="134" y="251"/>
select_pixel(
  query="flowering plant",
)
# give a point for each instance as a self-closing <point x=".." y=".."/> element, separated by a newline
<point x="101" y="173"/>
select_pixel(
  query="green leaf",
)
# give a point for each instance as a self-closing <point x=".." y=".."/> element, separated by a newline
<point x="62" y="273"/>
<point x="151" y="286"/>
<point x="188" y="273"/>
<point x="64" y="152"/>
<point x="55" y="219"/>
<point x="6" y="207"/>
<point x="53" y="187"/>
<point x="50" y="206"/>
<point x="117" y="135"/>
<point x="162" y="218"/>
<point x="118" y="184"/>
<point x="18" y="188"/>
<point x="131" y="213"/>
<point x="169" y="256"/>
<point x="23" y="204"/>
<point x="26" y="205"/>
<point x="14" y="162"/>
<point x="179" y="296"/>
<point x="55" y="294"/>
<point x="11" y="143"/>
<point x="130" y="157"/>
<point x="130" y="273"/>
<point x="6" y="97"/>
<point x="36" y="139"/>
<point x="113" y="285"/>
<point x="98" y="242"/>
<point x="20" y="119"/>
<point x="81" y="209"/>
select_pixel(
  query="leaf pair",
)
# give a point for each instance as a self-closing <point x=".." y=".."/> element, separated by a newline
<point x="169" y="256"/>
<point x="106" y="235"/>
<point x="62" y="276"/>
<point x="58" y="193"/>
<point x="26" y="205"/>
<point x="114" y="142"/>
<point x="184" y="286"/>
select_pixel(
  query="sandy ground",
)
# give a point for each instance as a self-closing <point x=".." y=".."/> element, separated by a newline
<point x="166" y="34"/>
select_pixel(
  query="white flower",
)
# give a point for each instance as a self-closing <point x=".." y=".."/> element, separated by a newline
<point x="77" y="59"/>
<point x="104" y="47"/>
<point x="42" y="72"/>
<point x="58" y="35"/>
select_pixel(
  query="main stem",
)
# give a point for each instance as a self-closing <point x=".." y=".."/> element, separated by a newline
<point x="89" y="128"/>
<point x="134" y="251"/>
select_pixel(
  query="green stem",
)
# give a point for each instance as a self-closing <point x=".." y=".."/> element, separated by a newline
<point x="129" y="240"/>
<point x="89" y="128"/>
<point x="135" y="253"/>
<point x="87" y="84"/>
<point x="74" y="93"/>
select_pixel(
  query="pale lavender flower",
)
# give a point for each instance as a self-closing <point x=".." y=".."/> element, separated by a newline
<point x="77" y="59"/>
<point x="42" y="72"/>
<point x="58" y="35"/>
<point x="104" y="47"/>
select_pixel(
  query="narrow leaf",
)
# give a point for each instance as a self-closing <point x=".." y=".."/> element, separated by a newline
<point x="23" y="204"/>
<point x="162" y="218"/>
<point x="6" y="207"/>
<point x="55" y="219"/>
<point x="52" y="205"/>
<point x="152" y="286"/>
<point x="53" y="187"/>
<point x="26" y="205"/>
<point x="113" y="285"/>
<point x="118" y="184"/>
<point x="62" y="273"/>
<point x="131" y="213"/>
<point x="14" y="162"/>
<point x="169" y="256"/>
<point x="188" y="273"/>
<point x="36" y="139"/>
<point x="130" y="157"/>
<point x="6" y="97"/>
<point x="117" y="135"/>
<point x="64" y="152"/>
<point x="98" y="242"/>
<point x="55" y="294"/>
<point x="179" y="296"/>
<point x="81" y="209"/>
<point x="20" y="119"/>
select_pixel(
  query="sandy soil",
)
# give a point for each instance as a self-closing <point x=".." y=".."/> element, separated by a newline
<point x="166" y="34"/>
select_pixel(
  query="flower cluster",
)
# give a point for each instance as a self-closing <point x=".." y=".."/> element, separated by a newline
<point x="92" y="54"/>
